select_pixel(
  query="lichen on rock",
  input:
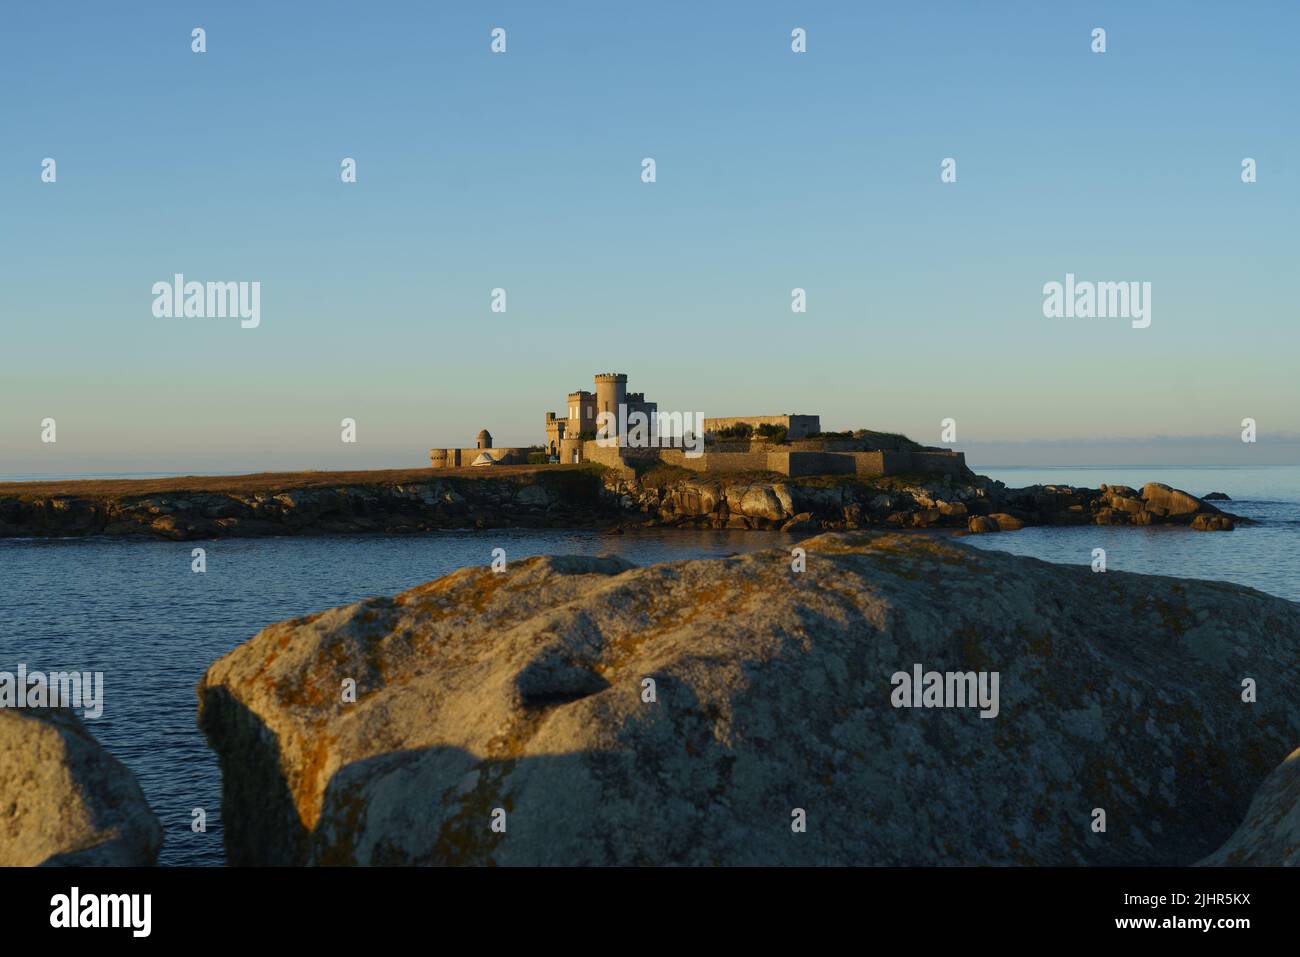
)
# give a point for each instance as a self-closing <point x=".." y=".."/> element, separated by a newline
<point x="524" y="691"/>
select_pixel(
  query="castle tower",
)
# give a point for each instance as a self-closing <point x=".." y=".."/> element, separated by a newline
<point x="484" y="440"/>
<point x="611" y="392"/>
<point x="582" y="412"/>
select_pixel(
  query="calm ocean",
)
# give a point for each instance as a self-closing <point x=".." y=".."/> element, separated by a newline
<point x="135" y="611"/>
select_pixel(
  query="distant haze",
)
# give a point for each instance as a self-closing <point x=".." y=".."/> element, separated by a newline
<point x="1186" y="450"/>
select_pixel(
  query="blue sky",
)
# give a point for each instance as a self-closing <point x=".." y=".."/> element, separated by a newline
<point x="522" y="171"/>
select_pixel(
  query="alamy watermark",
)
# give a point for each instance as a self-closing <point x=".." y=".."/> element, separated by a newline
<point x="1098" y="300"/>
<point x="946" y="689"/>
<point x="130" y="911"/>
<point x="55" y="689"/>
<point x="638" y="429"/>
<point x="213" y="300"/>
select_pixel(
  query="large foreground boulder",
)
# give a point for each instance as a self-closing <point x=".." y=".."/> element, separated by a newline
<point x="1270" y="835"/>
<point x="65" y="800"/>
<point x="520" y="701"/>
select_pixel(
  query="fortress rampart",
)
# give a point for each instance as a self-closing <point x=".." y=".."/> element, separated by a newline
<point x="796" y="426"/>
<point x="774" y="458"/>
<point x="460" y="458"/>
<point x="570" y="439"/>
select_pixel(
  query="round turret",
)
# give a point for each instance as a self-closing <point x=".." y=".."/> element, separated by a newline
<point x="484" y="439"/>
<point x="611" y="392"/>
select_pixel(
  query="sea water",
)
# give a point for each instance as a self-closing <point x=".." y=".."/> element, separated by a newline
<point x="134" y="610"/>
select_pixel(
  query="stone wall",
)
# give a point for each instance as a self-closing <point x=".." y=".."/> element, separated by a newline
<point x="810" y="463"/>
<point x="785" y="462"/>
<point x="797" y="426"/>
<point x="732" y="457"/>
<point x="829" y="445"/>
<point x="881" y="462"/>
<point x="460" y="458"/>
<point x="610" y="456"/>
<point x="945" y="463"/>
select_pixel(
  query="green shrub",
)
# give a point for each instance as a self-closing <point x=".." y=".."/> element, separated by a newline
<point x="741" y="430"/>
<point x="831" y="435"/>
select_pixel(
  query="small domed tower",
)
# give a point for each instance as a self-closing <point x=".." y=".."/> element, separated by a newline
<point x="484" y="439"/>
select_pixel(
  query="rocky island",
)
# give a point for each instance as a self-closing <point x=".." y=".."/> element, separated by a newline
<point x="613" y="460"/>
<point x="574" y="496"/>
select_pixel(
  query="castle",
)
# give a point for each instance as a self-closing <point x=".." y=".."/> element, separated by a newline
<point x="602" y="427"/>
<point x="566" y="436"/>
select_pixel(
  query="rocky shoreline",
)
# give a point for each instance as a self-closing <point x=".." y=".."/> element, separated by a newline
<point x="564" y="498"/>
<point x="586" y="498"/>
<point x="975" y="504"/>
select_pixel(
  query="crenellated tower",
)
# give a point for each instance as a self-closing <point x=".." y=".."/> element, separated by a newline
<point x="611" y="392"/>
